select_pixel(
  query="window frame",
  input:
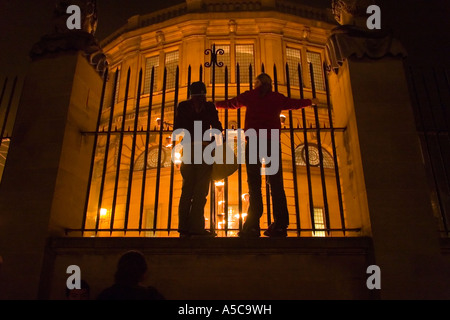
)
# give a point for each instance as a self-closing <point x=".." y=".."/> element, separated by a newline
<point x="232" y="42"/>
<point x="146" y="91"/>
<point x="159" y="75"/>
<point x="116" y="90"/>
<point x="293" y="47"/>
<point x="253" y="65"/>
<point x="322" y="225"/>
<point x="320" y="53"/>
<point x="304" y="49"/>
<point x="166" y="52"/>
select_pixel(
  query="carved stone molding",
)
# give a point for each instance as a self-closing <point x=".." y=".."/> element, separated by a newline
<point x="353" y="39"/>
<point x="350" y="12"/>
<point x="349" y="41"/>
<point x="160" y="37"/>
<point x="89" y="16"/>
<point x="61" y="39"/>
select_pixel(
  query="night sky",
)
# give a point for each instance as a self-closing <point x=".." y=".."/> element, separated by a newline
<point x="422" y="25"/>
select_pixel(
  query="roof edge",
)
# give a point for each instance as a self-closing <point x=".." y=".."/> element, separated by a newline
<point x="141" y="21"/>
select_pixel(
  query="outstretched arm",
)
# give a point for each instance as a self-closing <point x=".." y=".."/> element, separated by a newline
<point x="294" y="104"/>
<point x="235" y="103"/>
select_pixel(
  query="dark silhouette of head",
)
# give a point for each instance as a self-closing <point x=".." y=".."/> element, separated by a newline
<point x="198" y="91"/>
<point x="264" y="83"/>
<point x="131" y="268"/>
<point x="197" y="88"/>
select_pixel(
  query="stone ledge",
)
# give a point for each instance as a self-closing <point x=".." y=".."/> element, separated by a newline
<point x="216" y="246"/>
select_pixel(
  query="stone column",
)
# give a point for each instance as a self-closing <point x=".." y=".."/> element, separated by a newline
<point x="370" y="97"/>
<point x="44" y="184"/>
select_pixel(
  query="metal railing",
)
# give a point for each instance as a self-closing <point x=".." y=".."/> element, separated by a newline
<point x="6" y="120"/>
<point x="123" y="200"/>
<point x="430" y="94"/>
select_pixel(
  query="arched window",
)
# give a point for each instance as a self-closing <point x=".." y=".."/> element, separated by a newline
<point x="313" y="152"/>
<point x="152" y="158"/>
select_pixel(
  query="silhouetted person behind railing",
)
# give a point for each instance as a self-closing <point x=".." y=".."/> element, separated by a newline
<point x="131" y="271"/>
<point x="196" y="177"/>
<point x="264" y="107"/>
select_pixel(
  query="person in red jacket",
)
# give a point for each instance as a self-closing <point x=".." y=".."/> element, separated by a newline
<point x="264" y="107"/>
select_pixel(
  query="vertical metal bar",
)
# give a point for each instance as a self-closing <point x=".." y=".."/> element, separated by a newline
<point x="333" y="145"/>
<point x="416" y="103"/>
<point x="266" y="180"/>
<point x="91" y="169"/>
<point x="212" y="207"/>
<point x="306" y="149"/>
<point x="431" y="111"/>
<point x="1" y="100"/>
<point x="444" y="108"/>
<point x="147" y="142"/>
<point x="294" y="164"/>
<point x="201" y="73"/>
<point x="268" y="187"/>
<point x="119" y="152"/>
<point x="275" y="78"/>
<point x="212" y="203"/>
<point x="447" y="116"/>
<point x="319" y="146"/>
<point x="8" y="109"/>
<point x="425" y="145"/>
<point x="133" y="150"/>
<point x="214" y="74"/>
<point x="158" y="168"/>
<point x="105" y="161"/>
<point x="438" y="142"/>
<point x="238" y="92"/>
<point x="189" y="82"/>
<point x="172" y="165"/>
<point x="3" y="91"/>
<point x="447" y="80"/>
<point x="263" y="69"/>
<point x="225" y="187"/>
<point x="438" y="130"/>
<point x="250" y="76"/>
<point x="439" y="93"/>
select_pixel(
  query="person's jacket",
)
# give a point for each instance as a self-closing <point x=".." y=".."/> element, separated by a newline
<point x="263" y="112"/>
<point x="186" y="116"/>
